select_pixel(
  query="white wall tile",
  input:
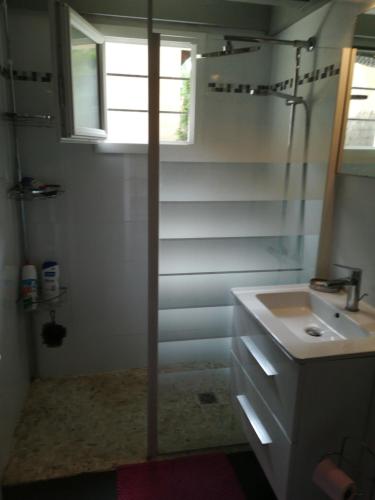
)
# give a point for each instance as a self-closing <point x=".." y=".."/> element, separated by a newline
<point x="238" y="219"/>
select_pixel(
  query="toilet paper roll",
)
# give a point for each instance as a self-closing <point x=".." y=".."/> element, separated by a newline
<point x="333" y="481"/>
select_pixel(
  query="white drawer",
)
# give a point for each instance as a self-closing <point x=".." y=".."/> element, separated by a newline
<point x="267" y="440"/>
<point x="273" y="373"/>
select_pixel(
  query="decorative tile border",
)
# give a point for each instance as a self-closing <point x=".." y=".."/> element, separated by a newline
<point x="27" y="76"/>
<point x="246" y="88"/>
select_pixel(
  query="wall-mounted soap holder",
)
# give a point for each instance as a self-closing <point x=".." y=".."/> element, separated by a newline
<point x="30" y="189"/>
<point x="53" y="303"/>
<point x="38" y="120"/>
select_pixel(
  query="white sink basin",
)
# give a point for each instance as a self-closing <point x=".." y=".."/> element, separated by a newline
<point x="310" y="318"/>
<point x="310" y="324"/>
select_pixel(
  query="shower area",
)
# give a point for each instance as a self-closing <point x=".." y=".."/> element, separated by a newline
<point x="231" y="214"/>
<point x="153" y="231"/>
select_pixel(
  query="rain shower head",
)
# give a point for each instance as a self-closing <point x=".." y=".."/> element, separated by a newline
<point x="229" y="50"/>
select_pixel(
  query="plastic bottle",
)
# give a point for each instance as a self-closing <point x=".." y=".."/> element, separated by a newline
<point x="29" y="287"/>
<point x="50" y="281"/>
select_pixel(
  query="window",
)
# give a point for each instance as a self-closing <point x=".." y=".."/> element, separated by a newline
<point x="102" y="86"/>
<point x="78" y="68"/>
<point x="127" y="91"/>
<point x="360" y="128"/>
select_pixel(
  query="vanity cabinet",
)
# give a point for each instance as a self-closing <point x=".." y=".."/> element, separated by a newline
<point x="295" y="411"/>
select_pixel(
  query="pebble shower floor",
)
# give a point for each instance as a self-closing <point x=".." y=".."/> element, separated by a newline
<point x="94" y="423"/>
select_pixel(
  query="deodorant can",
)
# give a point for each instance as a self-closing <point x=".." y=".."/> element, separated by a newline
<point x="29" y="287"/>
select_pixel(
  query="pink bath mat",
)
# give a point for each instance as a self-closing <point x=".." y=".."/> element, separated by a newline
<point x="202" y="477"/>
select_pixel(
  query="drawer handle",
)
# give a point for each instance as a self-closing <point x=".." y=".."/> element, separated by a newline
<point x="253" y="419"/>
<point x="259" y="357"/>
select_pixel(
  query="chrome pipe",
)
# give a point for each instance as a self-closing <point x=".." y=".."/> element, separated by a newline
<point x="16" y="148"/>
<point x="33" y="368"/>
<point x="290" y="99"/>
<point x="228" y="50"/>
<point x="292" y="118"/>
<point x="299" y="44"/>
<point x="293" y="101"/>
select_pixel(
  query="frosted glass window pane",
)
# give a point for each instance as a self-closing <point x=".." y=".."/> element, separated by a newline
<point x="129" y="127"/>
<point x="171" y="94"/>
<point x="127" y="58"/>
<point x="360" y="133"/>
<point x="360" y="129"/>
<point x="174" y="61"/>
<point x="127" y="93"/>
<point x="364" y="71"/>
<point x="362" y="108"/>
<point x="85" y="80"/>
<point x="172" y="127"/>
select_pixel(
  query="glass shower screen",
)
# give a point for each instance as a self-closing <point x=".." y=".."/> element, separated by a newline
<point x="231" y="214"/>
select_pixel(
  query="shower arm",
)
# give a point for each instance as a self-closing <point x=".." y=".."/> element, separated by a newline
<point x="229" y="50"/>
<point x="308" y="44"/>
<point x="289" y="98"/>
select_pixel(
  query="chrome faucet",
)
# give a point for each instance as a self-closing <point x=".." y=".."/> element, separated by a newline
<point x="353" y="287"/>
<point x="352" y="284"/>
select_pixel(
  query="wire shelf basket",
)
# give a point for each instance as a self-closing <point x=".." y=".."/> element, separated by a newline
<point x="54" y="303"/>
<point x="29" y="119"/>
<point x="29" y="193"/>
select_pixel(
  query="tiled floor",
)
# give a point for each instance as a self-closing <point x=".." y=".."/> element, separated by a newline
<point x="96" y="423"/>
<point x="185" y="422"/>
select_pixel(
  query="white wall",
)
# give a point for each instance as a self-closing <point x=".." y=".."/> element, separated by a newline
<point x="97" y="231"/>
<point x="14" y="336"/>
<point x="353" y="241"/>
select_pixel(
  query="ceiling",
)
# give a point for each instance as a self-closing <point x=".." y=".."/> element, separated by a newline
<point x="285" y="12"/>
<point x="263" y="16"/>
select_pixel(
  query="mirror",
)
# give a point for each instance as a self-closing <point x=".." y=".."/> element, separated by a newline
<point x="357" y="151"/>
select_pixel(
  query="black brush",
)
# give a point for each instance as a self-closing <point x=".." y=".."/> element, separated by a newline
<point x="52" y="333"/>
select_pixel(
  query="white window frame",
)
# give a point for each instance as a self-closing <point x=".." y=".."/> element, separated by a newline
<point x="62" y="18"/>
<point x="363" y="156"/>
<point x="167" y="41"/>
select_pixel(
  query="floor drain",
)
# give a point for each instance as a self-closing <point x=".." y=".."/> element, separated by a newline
<point x="314" y="331"/>
<point x="207" y="398"/>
